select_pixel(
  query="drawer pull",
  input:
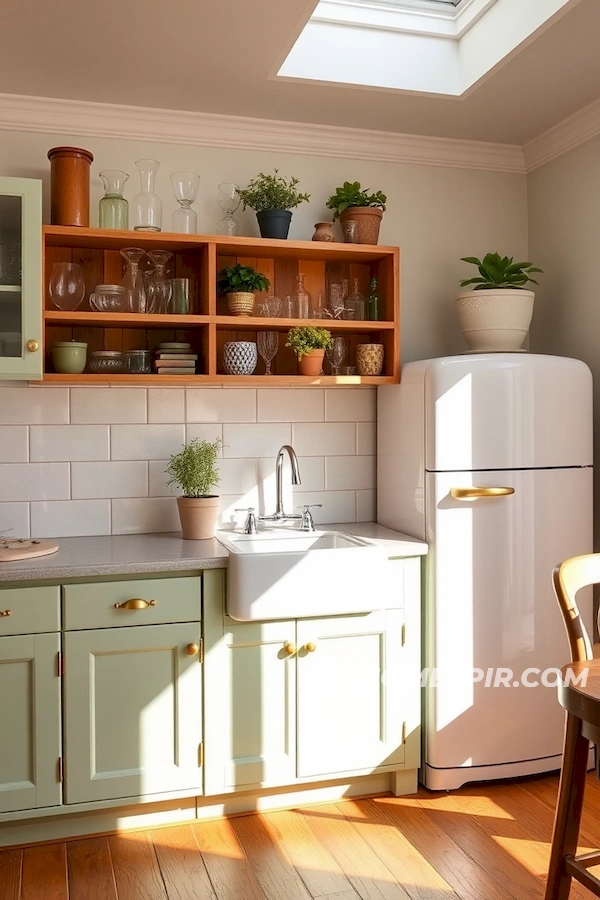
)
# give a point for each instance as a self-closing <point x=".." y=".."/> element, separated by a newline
<point x="5" y="612"/>
<point x="192" y="649"/>
<point x="135" y="603"/>
<point x="289" y="648"/>
<point x="310" y="647"/>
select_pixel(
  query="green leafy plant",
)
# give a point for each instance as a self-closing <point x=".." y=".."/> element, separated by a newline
<point x="351" y="194"/>
<point x="497" y="271"/>
<point x="194" y="469"/>
<point x="272" y="192"/>
<point x="242" y="278"/>
<point x="304" y="338"/>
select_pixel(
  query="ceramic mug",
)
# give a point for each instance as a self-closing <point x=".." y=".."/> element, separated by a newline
<point x="369" y="359"/>
<point x="240" y="357"/>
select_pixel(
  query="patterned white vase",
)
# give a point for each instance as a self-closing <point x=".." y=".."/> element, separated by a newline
<point x="495" y="319"/>
<point x="239" y="357"/>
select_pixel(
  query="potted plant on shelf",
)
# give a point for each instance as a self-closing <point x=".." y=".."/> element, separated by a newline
<point x="195" y="471"/>
<point x="496" y="313"/>
<point x="309" y="344"/>
<point x="273" y="197"/>
<point x="351" y="202"/>
<point x="238" y="283"/>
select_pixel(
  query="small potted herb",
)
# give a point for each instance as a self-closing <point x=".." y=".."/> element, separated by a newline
<point x="273" y="197"/>
<point x="238" y="283"/>
<point x="496" y="313"/>
<point x="309" y="344"/>
<point x="351" y="202"/>
<point x="194" y="470"/>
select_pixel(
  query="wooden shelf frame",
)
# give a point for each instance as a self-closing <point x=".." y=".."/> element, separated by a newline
<point x="208" y="326"/>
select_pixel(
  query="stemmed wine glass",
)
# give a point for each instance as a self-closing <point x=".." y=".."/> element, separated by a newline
<point x="268" y="344"/>
<point x="185" y="188"/>
<point x="229" y="200"/>
<point x="336" y="354"/>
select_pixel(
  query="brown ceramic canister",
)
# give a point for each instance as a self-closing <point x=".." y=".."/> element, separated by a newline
<point x="70" y="186"/>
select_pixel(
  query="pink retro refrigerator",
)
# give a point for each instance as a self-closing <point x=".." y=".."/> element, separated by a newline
<point x="488" y="458"/>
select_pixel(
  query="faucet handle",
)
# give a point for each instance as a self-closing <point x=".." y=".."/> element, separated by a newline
<point x="306" y="506"/>
<point x="307" y="523"/>
<point x="250" y="526"/>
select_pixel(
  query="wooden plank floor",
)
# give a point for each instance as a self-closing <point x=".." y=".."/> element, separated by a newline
<point x="484" y="842"/>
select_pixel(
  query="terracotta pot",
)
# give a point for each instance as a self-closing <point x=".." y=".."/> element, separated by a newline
<point x="323" y="232"/>
<point x="495" y="319"/>
<point x="70" y="186"/>
<point x="369" y="359"/>
<point x="198" y="517"/>
<point x="311" y="363"/>
<point x="368" y="222"/>
<point x="240" y="303"/>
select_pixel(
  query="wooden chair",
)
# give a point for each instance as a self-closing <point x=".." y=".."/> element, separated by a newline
<point x="582" y="726"/>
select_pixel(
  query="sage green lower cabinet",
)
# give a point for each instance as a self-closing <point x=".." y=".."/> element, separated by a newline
<point x="133" y="712"/>
<point x="30" y="736"/>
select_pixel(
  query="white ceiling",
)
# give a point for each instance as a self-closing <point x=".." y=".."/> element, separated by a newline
<point x="218" y="56"/>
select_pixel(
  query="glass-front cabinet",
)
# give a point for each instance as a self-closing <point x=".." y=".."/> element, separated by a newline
<point x="21" y="354"/>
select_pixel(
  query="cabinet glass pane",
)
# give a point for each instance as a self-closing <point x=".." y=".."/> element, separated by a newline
<point x="11" y="327"/>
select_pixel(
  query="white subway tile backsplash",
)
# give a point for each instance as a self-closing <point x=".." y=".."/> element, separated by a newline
<point x="241" y="441"/>
<point x="157" y="479"/>
<point x="357" y="404"/>
<point x="96" y="480"/>
<point x="145" y="441"/>
<point x="30" y="405"/>
<point x="366" y="438"/>
<point x="324" y="439"/>
<point x="14" y="520"/>
<point x="221" y="405"/>
<point x="229" y="517"/>
<point x="13" y="443"/>
<point x="34" y="481"/>
<point x="70" y="518"/>
<point x="337" y="506"/>
<point x="347" y="473"/>
<point x="366" y="506"/>
<point x="62" y="443"/>
<point x="290" y="405"/>
<point x="108" y="406"/>
<point x="238" y="476"/>
<point x="145" y="516"/>
<point x="166" y="405"/>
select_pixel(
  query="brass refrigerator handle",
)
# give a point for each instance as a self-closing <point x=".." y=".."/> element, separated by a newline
<point x="476" y="493"/>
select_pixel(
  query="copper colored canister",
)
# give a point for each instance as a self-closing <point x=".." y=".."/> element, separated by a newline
<point x="70" y="186"/>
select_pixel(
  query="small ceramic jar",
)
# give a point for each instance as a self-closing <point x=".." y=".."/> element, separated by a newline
<point x="369" y="359"/>
<point x="69" y="357"/>
<point x="240" y="357"/>
<point x="323" y="232"/>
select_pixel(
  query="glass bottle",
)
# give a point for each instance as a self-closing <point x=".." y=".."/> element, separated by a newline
<point x="356" y="303"/>
<point x="147" y="206"/>
<point x="114" y="208"/>
<point x="303" y="305"/>
<point x="373" y="302"/>
<point x="185" y="188"/>
<point x="133" y="281"/>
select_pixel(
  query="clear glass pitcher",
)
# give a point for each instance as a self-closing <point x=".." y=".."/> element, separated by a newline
<point x="114" y="208"/>
<point x="147" y="205"/>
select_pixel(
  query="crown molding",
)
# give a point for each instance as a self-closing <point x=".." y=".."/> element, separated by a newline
<point x="573" y="131"/>
<point x="104" y="120"/>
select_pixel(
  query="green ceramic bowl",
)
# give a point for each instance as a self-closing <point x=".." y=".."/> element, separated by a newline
<point x="69" y="357"/>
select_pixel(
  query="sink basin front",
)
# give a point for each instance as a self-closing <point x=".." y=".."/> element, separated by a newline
<point x="287" y="574"/>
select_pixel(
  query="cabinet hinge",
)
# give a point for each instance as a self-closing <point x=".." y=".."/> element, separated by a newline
<point x="201" y="754"/>
<point x="201" y="652"/>
<point x="403" y="635"/>
<point x="60" y="664"/>
<point x="60" y="769"/>
<point x="404" y="732"/>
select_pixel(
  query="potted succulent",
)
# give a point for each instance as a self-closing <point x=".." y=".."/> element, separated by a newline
<point x="273" y="197"/>
<point x="496" y="313"/>
<point x="194" y="470"/>
<point x="238" y="283"/>
<point x="309" y="344"/>
<point x="350" y="201"/>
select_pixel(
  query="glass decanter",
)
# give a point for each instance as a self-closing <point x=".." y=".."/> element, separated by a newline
<point x="114" y="208"/>
<point x="147" y="206"/>
<point x="133" y="281"/>
<point x="229" y="200"/>
<point x="185" y="188"/>
<point x="303" y="304"/>
<point x="158" y="287"/>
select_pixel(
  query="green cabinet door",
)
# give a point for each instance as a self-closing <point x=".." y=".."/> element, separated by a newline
<point x="30" y="740"/>
<point x="133" y="712"/>
<point x="21" y="351"/>
<point x="350" y="696"/>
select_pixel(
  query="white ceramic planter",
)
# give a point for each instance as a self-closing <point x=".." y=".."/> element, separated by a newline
<point x="495" y="319"/>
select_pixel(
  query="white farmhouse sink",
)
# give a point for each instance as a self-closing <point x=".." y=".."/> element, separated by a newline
<point x="287" y="574"/>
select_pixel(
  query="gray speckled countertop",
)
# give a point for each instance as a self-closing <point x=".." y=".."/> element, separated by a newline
<point x="137" y="554"/>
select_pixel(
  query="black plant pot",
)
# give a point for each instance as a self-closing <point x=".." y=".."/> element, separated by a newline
<point x="274" y="223"/>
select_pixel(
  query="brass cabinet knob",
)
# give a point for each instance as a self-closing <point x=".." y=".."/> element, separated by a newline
<point x="289" y="648"/>
<point x="192" y="649"/>
<point x="135" y="603"/>
<point x="310" y="647"/>
<point x="5" y="612"/>
<point x="32" y="346"/>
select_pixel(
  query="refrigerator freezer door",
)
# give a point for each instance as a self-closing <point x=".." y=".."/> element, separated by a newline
<point x="507" y="411"/>
<point x="489" y="571"/>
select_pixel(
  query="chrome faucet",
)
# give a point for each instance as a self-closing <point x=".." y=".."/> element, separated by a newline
<point x="279" y="513"/>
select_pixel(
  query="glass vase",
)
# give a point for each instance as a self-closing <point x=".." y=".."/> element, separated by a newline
<point x="147" y="205"/>
<point x="114" y="208"/>
<point x="185" y="188"/>
<point x="229" y="200"/>
<point x="158" y="286"/>
<point x="133" y="281"/>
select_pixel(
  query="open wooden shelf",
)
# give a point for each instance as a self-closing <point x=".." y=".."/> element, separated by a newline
<point x="208" y="326"/>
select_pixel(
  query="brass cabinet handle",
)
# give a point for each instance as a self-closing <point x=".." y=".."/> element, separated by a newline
<point x="476" y="493"/>
<point x="135" y="603"/>
<point x="32" y="346"/>
<point x="310" y="647"/>
<point x="289" y="648"/>
<point x="192" y="649"/>
<point x="5" y="612"/>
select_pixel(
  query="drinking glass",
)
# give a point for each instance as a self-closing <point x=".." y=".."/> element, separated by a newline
<point x="185" y="188"/>
<point x="229" y="200"/>
<point x="336" y="301"/>
<point x="133" y="281"/>
<point x="67" y="287"/>
<point x="158" y="286"/>
<point x="270" y="306"/>
<point x="268" y="344"/>
<point x="288" y="308"/>
<point x="336" y="354"/>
